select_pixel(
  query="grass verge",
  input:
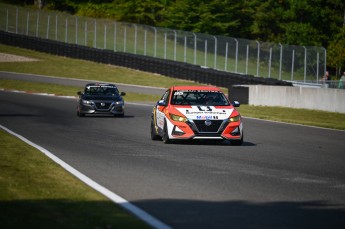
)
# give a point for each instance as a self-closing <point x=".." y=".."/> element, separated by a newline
<point x="31" y="197"/>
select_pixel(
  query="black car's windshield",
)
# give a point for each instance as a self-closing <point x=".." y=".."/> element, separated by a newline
<point x="193" y="97"/>
<point x="101" y="90"/>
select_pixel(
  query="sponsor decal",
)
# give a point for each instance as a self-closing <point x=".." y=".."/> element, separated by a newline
<point x="205" y="112"/>
<point x="206" y="117"/>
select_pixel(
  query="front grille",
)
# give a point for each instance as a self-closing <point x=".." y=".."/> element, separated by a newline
<point x="208" y="134"/>
<point x="213" y="128"/>
<point x="105" y="106"/>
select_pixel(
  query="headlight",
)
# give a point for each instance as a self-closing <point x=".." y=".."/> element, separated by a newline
<point x="178" y="118"/>
<point x="86" y="102"/>
<point x="235" y="118"/>
<point x="119" y="102"/>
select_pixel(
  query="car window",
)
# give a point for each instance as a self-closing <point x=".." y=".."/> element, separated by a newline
<point x="203" y="98"/>
<point x="165" y="97"/>
<point x="101" y="90"/>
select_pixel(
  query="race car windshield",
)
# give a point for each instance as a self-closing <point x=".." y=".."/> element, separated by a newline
<point x="208" y="98"/>
<point x="101" y="90"/>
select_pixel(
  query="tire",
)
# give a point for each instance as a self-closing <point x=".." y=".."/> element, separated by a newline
<point x="80" y="114"/>
<point x="165" y="138"/>
<point x="154" y="136"/>
<point x="237" y="142"/>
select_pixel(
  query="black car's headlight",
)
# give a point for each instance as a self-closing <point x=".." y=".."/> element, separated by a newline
<point x="86" y="102"/>
<point x="119" y="102"/>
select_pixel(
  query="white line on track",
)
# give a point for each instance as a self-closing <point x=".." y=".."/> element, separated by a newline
<point x="155" y="223"/>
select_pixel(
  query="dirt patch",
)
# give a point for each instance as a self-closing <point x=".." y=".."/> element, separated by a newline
<point x="4" y="57"/>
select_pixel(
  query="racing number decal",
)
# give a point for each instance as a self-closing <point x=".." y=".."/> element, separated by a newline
<point x="203" y="108"/>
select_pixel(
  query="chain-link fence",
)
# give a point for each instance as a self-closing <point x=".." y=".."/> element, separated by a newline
<point x="284" y="62"/>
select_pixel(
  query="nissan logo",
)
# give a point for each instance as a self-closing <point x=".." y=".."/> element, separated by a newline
<point x="102" y="104"/>
<point x="208" y="122"/>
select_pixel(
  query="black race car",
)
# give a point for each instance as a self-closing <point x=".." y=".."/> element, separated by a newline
<point x="100" y="98"/>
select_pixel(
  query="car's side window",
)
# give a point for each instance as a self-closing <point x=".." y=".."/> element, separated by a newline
<point x="165" y="97"/>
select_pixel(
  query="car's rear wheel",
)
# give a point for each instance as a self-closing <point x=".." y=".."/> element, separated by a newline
<point x="165" y="137"/>
<point x="154" y="136"/>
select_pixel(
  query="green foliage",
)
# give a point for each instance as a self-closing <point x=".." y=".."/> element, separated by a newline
<point x="336" y="53"/>
<point x="293" y="22"/>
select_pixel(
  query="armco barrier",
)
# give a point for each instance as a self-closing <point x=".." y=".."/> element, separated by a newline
<point x="169" y="68"/>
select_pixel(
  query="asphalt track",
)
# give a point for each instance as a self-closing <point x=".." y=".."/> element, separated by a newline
<point x="284" y="176"/>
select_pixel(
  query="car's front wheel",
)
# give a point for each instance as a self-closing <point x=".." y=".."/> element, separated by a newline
<point x="80" y="114"/>
<point x="165" y="137"/>
<point x="154" y="136"/>
<point x="237" y="142"/>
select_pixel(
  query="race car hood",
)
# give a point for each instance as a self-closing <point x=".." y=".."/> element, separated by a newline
<point x="102" y="97"/>
<point x="206" y="112"/>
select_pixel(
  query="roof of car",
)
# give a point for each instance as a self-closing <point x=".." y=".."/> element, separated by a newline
<point x="201" y="88"/>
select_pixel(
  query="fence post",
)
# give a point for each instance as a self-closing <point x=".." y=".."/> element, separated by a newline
<point x="76" y="30"/>
<point x="270" y="63"/>
<point x="85" y="32"/>
<point x="236" y="58"/>
<point x="56" y="27"/>
<point x="115" y="28"/>
<point x="48" y="22"/>
<point x="215" y="52"/>
<point x="185" y="50"/>
<point x="205" y="53"/>
<point x="105" y="36"/>
<point x="125" y="38"/>
<point x="145" y="41"/>
<point x="66" y="31"/>
<point x="7" y="20"/>
<point x="37" y="20"/>
<point x="135" y="38"/>
<point x="95" y="35"/>
<point x="174" y="45"/>
<point x="292" y="64"/>
<point x="165" y="45"/>
<point x="155" y="43"/>
<point x="226" y="56"/>
<point x="27" y="23"/>
<point x="325" y="67"/>
<point x="280" y="61"/>
<point x="317" y="68"/>
<point x="258" y="59"/>
<point x="194" y="48"/>
<point x="17" y="20"/>
<point x="247" y="56"/>
<point x="305" y="64"/>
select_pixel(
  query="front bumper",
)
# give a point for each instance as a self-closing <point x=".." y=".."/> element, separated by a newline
<point x="102" y="108"/>
<point x="205" y="129"/>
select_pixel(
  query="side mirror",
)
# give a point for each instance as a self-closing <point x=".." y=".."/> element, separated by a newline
<point x="236" y="104"/>
<point x="123" y="93"/>
<point x="79" y="93"/>
<point x="161" y="103"/>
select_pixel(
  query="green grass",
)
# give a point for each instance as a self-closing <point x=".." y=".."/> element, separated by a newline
<point x="52" y="65"/>
<point x="59" y="90"/>
<point x="31" y="197"/>
<point x="297" y="116"/>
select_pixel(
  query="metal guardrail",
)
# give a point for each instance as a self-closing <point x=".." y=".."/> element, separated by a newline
<point x="264" y="59"/>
